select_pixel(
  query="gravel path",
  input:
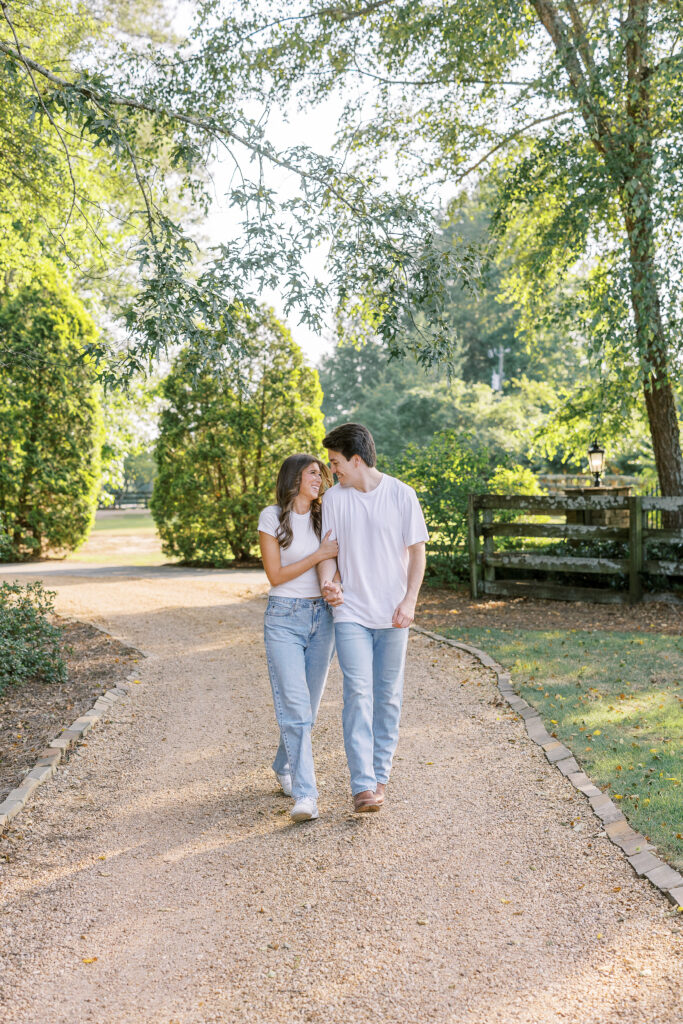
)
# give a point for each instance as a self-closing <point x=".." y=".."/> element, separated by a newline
<point x="157" y="878"/>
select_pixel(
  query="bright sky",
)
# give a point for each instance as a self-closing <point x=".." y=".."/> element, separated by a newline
<point x="314" y="128"/>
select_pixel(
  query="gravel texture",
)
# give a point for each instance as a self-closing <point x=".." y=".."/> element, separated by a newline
<point x="156" y="879"/>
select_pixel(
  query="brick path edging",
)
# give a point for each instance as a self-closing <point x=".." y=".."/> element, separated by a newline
<point x="634" y="846"/>
<point x="46" y="765"/>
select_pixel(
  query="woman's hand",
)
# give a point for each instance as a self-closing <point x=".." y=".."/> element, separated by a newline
<point x="333" y="594"/>
<point x="328" y="548"/>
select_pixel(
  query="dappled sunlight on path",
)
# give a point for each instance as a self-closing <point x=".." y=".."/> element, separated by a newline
<point x="159" y="877"/>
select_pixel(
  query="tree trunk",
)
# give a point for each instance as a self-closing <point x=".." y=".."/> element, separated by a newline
<point x="636" y="201"/>
<point x="659" y="396"/>
<point x="666" y="443"/>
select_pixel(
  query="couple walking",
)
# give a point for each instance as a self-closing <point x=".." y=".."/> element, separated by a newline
<point x="345" y="564"/>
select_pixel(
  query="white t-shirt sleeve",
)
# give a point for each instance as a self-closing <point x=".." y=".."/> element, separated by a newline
<point x="328" y="518"/>
<point x="269" y="521"/>
<point x="413" y="521"/>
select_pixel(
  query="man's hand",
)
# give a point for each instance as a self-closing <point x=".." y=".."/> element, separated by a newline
<point x="404" y="614"/>
<point x="332" y="592"/>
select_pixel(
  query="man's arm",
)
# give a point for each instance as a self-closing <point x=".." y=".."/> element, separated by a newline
<point x="330" y="581"/>
<point x="328" y="571"/>
<point x="417" y="562"/>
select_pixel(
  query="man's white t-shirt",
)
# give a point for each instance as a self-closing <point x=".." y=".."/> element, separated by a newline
<point x="374" y="530"/>
<point x="304" y="542"/>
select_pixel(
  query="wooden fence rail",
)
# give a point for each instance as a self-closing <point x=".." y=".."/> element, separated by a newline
<point x="625" y="520"/>
<point x="129" y="499"/>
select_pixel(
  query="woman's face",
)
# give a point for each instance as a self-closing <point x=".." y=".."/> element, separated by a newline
<point x="311" y="482"/>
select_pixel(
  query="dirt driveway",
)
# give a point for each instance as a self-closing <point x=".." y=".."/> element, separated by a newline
<point x="157" y="878"/>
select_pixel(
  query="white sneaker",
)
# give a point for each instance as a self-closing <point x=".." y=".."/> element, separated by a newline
<point x="285" y="780"/>
<point x="305" y="809"/>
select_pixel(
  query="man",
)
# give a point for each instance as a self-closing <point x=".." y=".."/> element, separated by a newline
<point x="379" y="526"/>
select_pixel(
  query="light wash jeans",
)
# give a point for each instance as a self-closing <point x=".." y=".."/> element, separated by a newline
<point x="299" y="636"/>
<point x="372" y="663"/>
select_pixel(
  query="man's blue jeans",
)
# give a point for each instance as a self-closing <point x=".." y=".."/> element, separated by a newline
<point x="372" y="663"/>
<point x="299" y="637"/>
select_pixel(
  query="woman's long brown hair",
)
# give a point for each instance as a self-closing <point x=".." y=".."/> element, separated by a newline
<point x="287" y="488"/>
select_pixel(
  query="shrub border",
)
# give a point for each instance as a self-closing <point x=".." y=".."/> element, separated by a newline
<point x="633" y="845"/>
<point x="46" y="765"/>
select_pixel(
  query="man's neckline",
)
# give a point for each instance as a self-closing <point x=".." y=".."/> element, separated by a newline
<point x="372" y="490"/>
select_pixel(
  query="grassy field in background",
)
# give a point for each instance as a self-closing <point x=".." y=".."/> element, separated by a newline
<point x="139" y="521"/>
<point x="125" y="537"/>
<point x="616" y="700"/>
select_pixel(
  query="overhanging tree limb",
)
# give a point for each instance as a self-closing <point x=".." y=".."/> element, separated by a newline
<point x="4" y="7"/>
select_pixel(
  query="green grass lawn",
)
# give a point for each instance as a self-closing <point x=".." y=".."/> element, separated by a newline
<point x="125" y="522"/>
<point x="616" y="699"/>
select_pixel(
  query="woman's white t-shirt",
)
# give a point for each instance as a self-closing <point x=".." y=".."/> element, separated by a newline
<point x="304" y="543"/>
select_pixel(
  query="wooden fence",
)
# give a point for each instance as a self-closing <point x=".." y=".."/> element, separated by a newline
<point x="635" y="523"/>
<point x="555" y="483"/>
<point x="130" y="499"/>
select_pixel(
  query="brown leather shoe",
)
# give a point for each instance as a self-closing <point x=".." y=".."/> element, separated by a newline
<point x="365" y="801"/>
<point x="379" y="792"/>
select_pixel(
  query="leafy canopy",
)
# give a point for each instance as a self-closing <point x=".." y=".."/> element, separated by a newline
<point x="156" y="117"/>
<point x="572" y="110"/>
<point x="223" y="435"/>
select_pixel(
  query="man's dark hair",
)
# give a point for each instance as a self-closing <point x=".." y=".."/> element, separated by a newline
<point x="352" y="439"/>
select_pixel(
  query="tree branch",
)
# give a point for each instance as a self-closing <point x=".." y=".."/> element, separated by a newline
<point x="581" y="37"/>
<point x="212" y="130"/>
<point x="29" y="70"/>
<point x="342" y="14"/>
<point x="508" y="138"/>
<point x="558" y="31"/>
<point x="434" y="81"/>
<point x="551" y="20"/>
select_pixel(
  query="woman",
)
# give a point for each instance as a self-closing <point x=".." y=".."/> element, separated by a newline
<point x="298" y="629"/>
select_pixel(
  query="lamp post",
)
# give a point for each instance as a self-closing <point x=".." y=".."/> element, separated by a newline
<point x="596" y="461"/>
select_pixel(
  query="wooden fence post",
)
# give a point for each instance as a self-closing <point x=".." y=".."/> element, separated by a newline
<point x="473" y="544"/>
<point x="635" y="549"/>
<point x="489" y="571"/>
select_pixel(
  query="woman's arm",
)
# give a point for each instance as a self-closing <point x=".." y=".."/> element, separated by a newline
<point x="278" y="573"/>
<point x="330" y="582"/>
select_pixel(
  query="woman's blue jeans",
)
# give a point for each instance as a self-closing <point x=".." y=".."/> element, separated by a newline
<point x="299" y="637"/>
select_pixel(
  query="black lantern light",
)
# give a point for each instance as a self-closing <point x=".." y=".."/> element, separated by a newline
<point x="596" y="461"/>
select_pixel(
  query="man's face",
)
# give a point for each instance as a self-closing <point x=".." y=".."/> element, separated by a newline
<point x="345" y="470"/>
